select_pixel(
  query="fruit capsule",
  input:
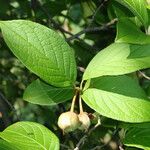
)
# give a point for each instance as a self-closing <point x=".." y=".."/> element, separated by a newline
<point x="85" y="121"/>
<point x="68" y="121"/>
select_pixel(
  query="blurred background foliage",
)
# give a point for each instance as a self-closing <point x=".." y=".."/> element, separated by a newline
<point x="68" y="17"/>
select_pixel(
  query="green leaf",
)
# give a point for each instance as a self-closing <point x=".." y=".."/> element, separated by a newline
<point x="135" y="125"/>
<point x="75" y="13"/>
<point x="55" y="7"/>
<point x="41" y="93"/>
<point x="7" y="146"/>
<point x="138" y="8"/>
<point x="29" y="135"/>
<point x="117" y="10"/>
<point x="88" y="8"/>
<point x="118" y="97"/>
<point x="128" y="32"/>
<point x="41" y="50"/>
<point x="83" y="53"/>
<point x="123" y="85"/>
<point x="138" y="137"/>
<point x="118" y="59"/>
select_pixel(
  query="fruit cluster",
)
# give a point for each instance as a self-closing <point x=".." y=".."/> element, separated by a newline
<point x="70" y="121"/>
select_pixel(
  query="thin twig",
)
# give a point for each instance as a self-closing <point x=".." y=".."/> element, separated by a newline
<point x="121" y="148"/>
<point x="106" y="144"/>
<point x="81" y="69"/>
<point x="65" y="146"/>
<point x="92" y="29"/>
<point x="144" y="75"/>
<point x="83" y="139"/>
<point x="52" y="21"/>
<point x="98" y="147"/>
<point x="57" y="26"/>
<point x="77" y="35"/>
<point x="10" y="105"/>
<point x="96" y="11"/>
